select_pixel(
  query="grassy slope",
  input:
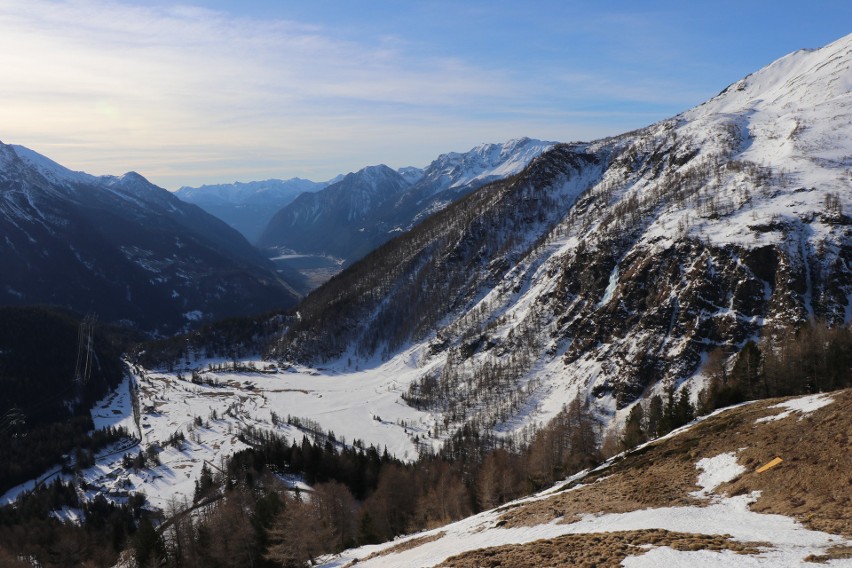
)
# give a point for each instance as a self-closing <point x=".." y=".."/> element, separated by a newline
<point x="811" y="485"/>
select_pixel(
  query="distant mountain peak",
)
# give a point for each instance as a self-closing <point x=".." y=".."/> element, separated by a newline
<point x="366" y="208"/>
<point x="483" y="163"/>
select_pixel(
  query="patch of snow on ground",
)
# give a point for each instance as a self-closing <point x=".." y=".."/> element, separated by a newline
<point x="194" y="315"/>
<point x="115" y="409"/>
<point x="716" y="471"/>
<point x="804" y="405"/>
<point x="789" y="541"/>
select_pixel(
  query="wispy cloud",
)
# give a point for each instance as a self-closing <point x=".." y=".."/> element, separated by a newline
<point x="185" y="94"/>
<point x="186" y="78"/>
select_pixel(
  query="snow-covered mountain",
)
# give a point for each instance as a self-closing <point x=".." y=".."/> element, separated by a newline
<point x="331" y="222"/>
<point x="613" y="268"/>
<point x="600" y="274"/>
<point x="248" y="207"/>
<point x="480" y="165"/>
<point x="122" y="248"/>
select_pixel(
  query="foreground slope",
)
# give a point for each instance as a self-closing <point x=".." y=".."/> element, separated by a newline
<point x="122" y="248"/>
<point x="692" y="498"/>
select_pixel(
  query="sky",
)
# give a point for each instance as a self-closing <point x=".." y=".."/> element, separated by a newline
<point x="216" y="91"/>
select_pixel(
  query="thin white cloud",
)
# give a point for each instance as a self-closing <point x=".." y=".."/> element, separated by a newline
<point x="185" y="94"/>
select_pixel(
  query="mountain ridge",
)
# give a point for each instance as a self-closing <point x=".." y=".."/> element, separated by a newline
<point x="124" y="248"/>
<point x="352" y="229"/>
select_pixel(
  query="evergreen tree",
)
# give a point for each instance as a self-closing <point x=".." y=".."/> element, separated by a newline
<point x="655" y="416"/>
<point x="634" y="434"/>
<point x="148" y="545"/>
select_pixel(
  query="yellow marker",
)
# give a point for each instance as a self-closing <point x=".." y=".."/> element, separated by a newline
<point x="770" y="465"/>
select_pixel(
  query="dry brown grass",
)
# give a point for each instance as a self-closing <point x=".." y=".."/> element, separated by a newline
<point x="836" y="553"/>
<point x="813" y="484"/>
<point x="595" y="549"/>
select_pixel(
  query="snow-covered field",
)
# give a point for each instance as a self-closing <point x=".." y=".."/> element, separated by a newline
<point x="356" y="405"/>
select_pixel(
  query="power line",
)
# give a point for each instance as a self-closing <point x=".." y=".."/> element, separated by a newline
<point x="85" y="349"/>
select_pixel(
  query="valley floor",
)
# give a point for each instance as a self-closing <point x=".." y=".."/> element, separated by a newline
<point x="208" y="415"/>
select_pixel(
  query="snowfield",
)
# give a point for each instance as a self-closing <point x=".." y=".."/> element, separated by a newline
<point x="357" y="405"/>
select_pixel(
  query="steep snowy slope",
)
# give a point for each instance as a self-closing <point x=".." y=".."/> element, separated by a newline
<point x="122" y="248"/>
<point x="248" y="207"/>
<point x="347" y="220"/>
<point x="612" y="269"/>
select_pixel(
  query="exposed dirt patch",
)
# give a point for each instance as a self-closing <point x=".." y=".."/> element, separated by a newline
<point x="595" y="549"/>
<point x="813" y="484"/>
<point x="836" y="553"/>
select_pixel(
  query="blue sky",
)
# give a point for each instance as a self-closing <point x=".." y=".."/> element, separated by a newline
<point x="218" y="91"/>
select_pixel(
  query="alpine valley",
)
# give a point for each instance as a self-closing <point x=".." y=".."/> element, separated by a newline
<point x="505" y="320"/>
<point x="248" y="207"/>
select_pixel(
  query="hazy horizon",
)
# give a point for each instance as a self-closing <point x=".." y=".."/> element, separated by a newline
<point x="213" y="92"/>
